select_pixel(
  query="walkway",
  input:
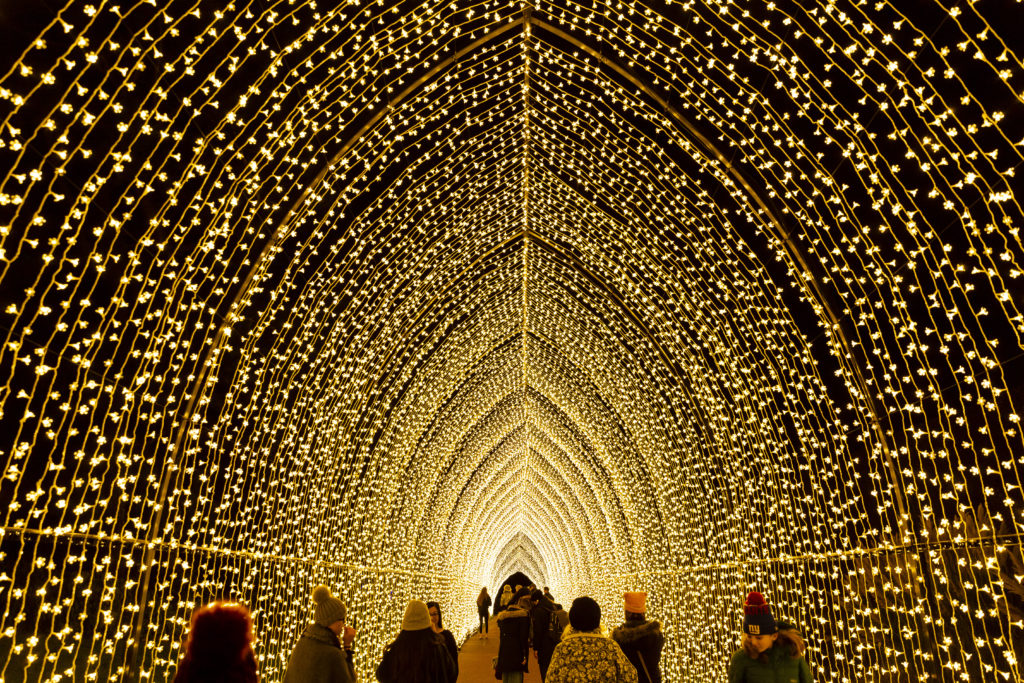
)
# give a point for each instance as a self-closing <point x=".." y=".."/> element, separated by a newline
<point x="477" y="653"/>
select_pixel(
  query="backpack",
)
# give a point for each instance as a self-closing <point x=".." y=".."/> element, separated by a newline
<point x="554" y="628"/>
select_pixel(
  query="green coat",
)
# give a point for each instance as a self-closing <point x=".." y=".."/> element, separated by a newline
<point x="589" y="658"/>
<point x="318" y="658"/>
<point x="780" y="668"/>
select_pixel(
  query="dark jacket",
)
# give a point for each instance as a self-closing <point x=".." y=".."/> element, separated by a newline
<point x="778" y="665"/>
<point x="436" y="667"/>
<point x="642" y="640"/>
<point x="453" y="648"/>
<point x="541" y="615"/>
<point x="318" y="658"/>
<point x="514" y="644"/>
<point x="481" y="608"/>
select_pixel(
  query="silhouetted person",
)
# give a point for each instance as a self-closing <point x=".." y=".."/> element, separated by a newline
<point x="544" y="639"/>
<point x="514" y="642"/>
<point x="417" y="655"/>
<point x="319" y="656"/>
<point x="769" y="651"/>
<point x="483" y="603"/>
<point x="641" y="640"/>
<point x="586" y="655"/>
<point x="219" y="647"/>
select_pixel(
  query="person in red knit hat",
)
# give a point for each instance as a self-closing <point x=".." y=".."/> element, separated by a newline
<point x="769" y="651"/>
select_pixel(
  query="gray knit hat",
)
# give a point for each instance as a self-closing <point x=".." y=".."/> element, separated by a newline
<point x="329" y="609"/>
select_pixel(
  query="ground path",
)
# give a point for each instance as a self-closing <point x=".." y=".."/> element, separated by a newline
<point x="477" y="653"/>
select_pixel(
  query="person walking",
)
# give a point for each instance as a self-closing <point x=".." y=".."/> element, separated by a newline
<point x="769" y="650"/>
<point x="434" y="610"/>
<point x="219" y="646"/>
<point x="513" y="642"/>
<point x="641" y="640"/>
<point x="483" y="603"/>
<point x="585" y="654"/>
<point x="541" y="613"/>
<point x="320" y="656"/>
<point x="561" y="618"/>
<point x="505" y="598"/>
<point x="417" y="655"/>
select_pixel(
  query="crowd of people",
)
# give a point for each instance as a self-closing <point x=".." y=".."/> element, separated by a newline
<point x="568" y="647"/>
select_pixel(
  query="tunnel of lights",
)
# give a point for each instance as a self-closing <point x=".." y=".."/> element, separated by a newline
<point x="685" y="297"/>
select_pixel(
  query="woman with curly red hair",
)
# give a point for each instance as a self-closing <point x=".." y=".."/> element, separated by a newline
<point x="219" y="646"/>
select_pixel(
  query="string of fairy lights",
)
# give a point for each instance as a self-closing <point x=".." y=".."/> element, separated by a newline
<point x="685" y="297"/>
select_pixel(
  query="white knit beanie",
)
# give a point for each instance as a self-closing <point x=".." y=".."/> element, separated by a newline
<point x="329" y="609"/>
<point x="417" y="617"/>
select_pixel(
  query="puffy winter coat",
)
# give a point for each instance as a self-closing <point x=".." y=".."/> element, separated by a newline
<point x="642" y="641"/>
<point x="779" y="667"/>
<point x="589" y="658"/>
<point x="318" y="658"/>
<point x="514" y="644"/>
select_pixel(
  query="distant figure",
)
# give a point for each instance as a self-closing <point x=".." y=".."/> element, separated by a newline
<point x="219" y="646"/>
<point x="483" y="602"/>
<point x="547" y="594"/>
<point x="640" y="639"/>
<point x="768" y="651"/>
<point x="561" y="618"/>
<point x="319" y="656"/>
<point x="542" y="615"/>
<point x="506" y="597"/>
<point x="514" y="642"/>
<point x="417" y="655"/>
<point x="585" y="655"/>
<point x="434" y="610"/>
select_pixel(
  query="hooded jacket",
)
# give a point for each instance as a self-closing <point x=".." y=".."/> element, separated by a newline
<point x="318" y="658"/>
<point x="589" y="658"/>
<point x="514" y="644"/>
<point x="641" y="641"/>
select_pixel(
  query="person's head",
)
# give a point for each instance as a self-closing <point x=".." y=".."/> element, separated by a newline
<point x="635" y="605"/>
<point x="519" y="587"/>
<point x="483" y="591"/>
<point x="219" y="645"/>
<point x="546" y="589"/>
<point x="585" y="614"/>
<point x="759" y="629"/>
<point x="536" y="596"/>
<point x="506" y="589"/>
<point x="329" y="611"/>
<point x="757" y="616"/>
<point x="434" y="610"/>
<point x="417" y="616"/>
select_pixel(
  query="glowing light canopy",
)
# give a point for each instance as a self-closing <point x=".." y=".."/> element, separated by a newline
<point x="684" y="297"/>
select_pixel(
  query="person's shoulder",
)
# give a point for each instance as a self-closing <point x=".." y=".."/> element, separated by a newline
<point x="740" y="658"/>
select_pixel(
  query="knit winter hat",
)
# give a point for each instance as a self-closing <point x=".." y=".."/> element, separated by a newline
<point x="757" y="616"/>
<point x="417" y="617"/>
<point x="329" y="609"/>
<point x="585" y="614"/>
<point x="636" y="602"/>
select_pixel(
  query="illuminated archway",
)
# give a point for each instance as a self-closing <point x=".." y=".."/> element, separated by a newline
<point x="690" y="298"/>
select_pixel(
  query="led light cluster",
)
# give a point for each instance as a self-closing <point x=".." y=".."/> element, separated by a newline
<point x="684" y="297"/>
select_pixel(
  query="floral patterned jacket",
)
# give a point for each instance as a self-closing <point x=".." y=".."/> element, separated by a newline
<point x="589" y="658"/>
